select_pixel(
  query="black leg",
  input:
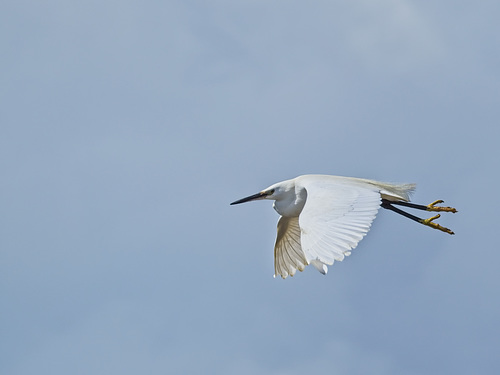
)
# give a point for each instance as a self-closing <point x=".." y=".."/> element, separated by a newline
<point x="406" y="204"/>
<point x="428" y="222"/>
<point x="430" y="207"/>
<point x="388" y="206"/>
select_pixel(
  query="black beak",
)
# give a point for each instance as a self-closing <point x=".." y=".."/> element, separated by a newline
<point x="250" y="198"/>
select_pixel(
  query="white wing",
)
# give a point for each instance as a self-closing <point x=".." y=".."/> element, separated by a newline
<point x="288" y="254"/>
<point x="337" y="215"/>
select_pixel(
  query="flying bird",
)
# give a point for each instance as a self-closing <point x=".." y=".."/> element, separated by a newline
<point x="324" y="217"/>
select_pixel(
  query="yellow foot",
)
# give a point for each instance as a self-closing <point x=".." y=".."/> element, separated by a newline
<point x="433" y="207"/>
<point x="429" y="222"/>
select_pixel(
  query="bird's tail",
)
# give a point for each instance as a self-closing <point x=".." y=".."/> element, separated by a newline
<point x="395" y="192"/>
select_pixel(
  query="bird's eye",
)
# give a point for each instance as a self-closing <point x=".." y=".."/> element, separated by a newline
<point x="270" y="192"/>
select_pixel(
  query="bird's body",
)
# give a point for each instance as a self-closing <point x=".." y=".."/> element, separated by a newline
<point x="293" y="193"/>
<point x="324" y="217"/>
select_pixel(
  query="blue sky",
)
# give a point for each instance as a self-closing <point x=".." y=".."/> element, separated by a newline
<point x="128" y="127"/>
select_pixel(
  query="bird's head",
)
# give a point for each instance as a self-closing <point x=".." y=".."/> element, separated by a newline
<point x="273" y="192"/>
<point x="264" y="194"/>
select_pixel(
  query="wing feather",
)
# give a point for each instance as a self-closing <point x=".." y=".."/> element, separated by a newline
<point x="335" y="217"/>
<point x="288" y="254"/>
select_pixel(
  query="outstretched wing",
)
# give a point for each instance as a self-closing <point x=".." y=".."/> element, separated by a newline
<point x="335" y="217"/>
<point x="288" y="254"/>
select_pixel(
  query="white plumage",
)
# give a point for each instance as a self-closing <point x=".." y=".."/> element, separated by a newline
<point x="324" y="217"/>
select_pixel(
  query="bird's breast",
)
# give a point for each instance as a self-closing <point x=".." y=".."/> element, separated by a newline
<point x="291" y="206"/>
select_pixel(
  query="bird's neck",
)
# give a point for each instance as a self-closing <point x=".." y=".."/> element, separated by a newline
<point x="292" y="204"/>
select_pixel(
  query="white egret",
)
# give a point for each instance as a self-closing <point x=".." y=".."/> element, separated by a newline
<point x="324" y="217"/>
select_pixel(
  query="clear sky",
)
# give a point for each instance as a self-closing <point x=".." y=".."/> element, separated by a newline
<point x="127" y="128"/>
